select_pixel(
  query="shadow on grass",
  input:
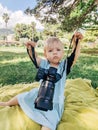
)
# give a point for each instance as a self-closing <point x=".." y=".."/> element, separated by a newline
<point x="14" y="70"/>
<point x="93" y="51"/>
<point x="11" y="55"/>
<point x="22" y="72"/>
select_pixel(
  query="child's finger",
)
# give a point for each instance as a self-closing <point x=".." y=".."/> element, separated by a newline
<point x="78" y="35"/>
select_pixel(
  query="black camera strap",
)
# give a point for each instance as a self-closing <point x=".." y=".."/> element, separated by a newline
<point x="33" y="58"/>
<point x="65" y="61"/>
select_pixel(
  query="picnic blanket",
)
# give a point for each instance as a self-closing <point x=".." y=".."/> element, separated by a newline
<point x="80" y="113"/>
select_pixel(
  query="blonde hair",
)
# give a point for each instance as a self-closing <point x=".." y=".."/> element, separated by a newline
<point x="52" y="40"/>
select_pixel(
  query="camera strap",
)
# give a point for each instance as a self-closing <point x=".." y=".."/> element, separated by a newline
<point x="65" y="61"/>
<point x="33" y="58"/>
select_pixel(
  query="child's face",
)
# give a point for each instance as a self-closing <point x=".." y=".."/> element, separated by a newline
<point x="54" y="53"/>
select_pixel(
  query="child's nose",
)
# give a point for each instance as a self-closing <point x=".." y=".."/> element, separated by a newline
<point x="54" y="51"/>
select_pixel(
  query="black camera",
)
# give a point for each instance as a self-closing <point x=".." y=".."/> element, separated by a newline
<point x="44" y="100"/>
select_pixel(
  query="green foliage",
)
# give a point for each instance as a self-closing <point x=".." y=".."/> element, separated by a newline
<point x="25" y="31"/>
<point x="80" y="15"/>
<point x="90" y="36"/>
<point x="6" y="18"/>
<point x="70" y="14"/>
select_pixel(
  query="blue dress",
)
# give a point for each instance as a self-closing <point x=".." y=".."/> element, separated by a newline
<point x="48" y="118"/>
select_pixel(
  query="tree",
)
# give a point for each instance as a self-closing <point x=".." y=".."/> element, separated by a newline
<point x="71" y="14"/>
<point x="5" y="18"/>
<point x="28" y="11"/>
<point x="25" y="31"/>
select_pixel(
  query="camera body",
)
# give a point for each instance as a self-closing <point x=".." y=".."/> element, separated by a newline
<point x="44" y="100"/>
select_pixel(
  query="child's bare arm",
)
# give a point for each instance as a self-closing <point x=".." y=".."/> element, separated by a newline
<point x="78" y="36"/>
<point x="71" y="60"/>
<point x="29" y="46"/>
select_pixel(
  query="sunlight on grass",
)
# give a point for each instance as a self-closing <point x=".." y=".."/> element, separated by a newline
<point x="19" y="49"/>
<point x="13" y="49"/>
<point x="15" y="60"/>
<point x="94" y="67"/>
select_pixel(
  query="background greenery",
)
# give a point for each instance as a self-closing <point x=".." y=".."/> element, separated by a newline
<point x="16" y="67"/>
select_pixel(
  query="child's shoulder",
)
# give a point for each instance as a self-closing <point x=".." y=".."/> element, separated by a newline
<point x="44" y="63"/>
<point x="62" y="62"/>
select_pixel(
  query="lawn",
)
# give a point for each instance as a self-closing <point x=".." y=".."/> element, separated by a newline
<point x="16" y="67"/>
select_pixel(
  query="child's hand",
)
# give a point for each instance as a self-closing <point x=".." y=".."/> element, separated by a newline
<point x="78" y="35"/>
<point x="29" y="44"/>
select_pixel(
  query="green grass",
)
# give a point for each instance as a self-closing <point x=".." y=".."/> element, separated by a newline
<point x="16" y="67"/>
<point x="87" y="66"/>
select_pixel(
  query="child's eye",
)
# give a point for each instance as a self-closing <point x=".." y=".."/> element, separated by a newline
<point x="49" y="50"/>
<point x="58" y="49"/>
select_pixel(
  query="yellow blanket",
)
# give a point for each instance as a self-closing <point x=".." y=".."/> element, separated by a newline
<point x="80" y="113"/>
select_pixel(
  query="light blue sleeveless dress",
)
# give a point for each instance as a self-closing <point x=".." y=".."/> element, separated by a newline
<point x="48" y="118"/>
